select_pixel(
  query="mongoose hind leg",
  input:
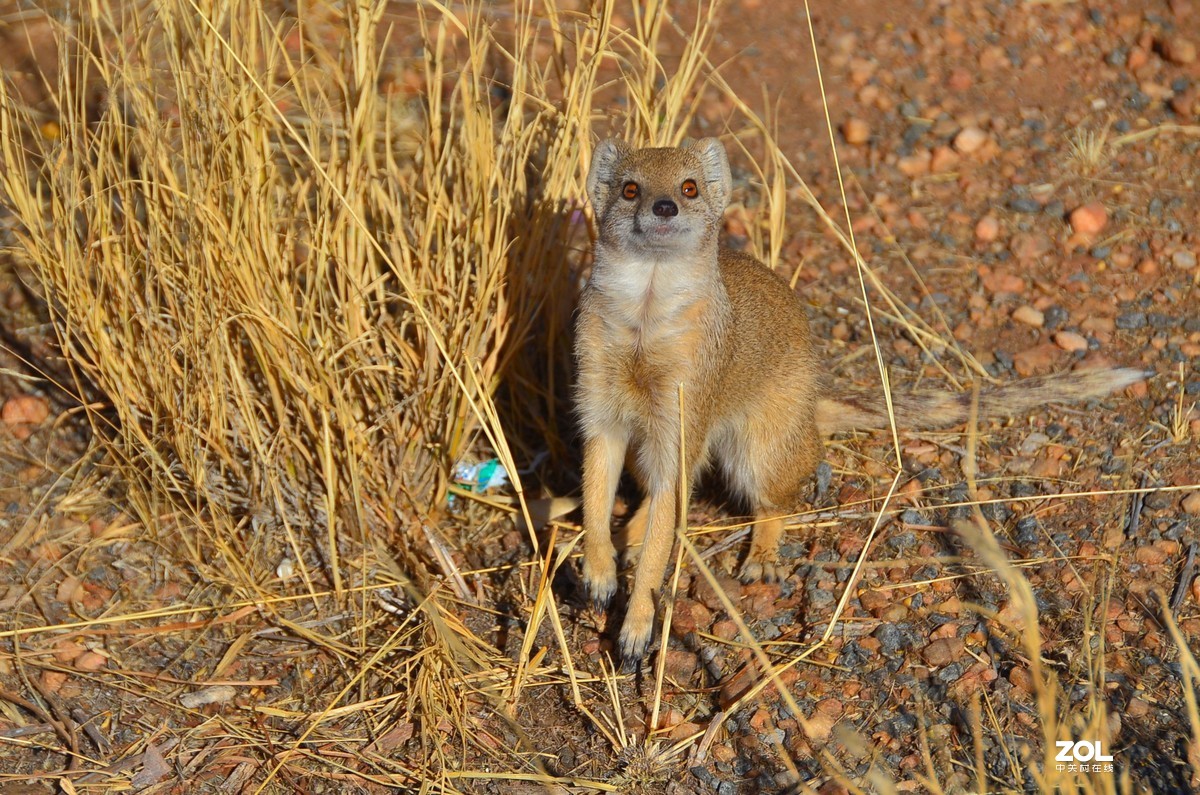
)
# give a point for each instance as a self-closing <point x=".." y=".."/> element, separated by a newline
<point x="772" y="471"/>
<point x="762" y="562"/>
<point x="632" y="538"/>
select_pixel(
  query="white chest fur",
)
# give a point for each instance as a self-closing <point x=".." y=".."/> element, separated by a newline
<point x="650" y="297"/>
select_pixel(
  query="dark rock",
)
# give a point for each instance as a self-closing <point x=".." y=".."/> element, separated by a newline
<point x="1027" y="531"/>
<point x="1158" y="500"/>
<point x="901" y="725"/>
<point x="854" y="655"/>
<point x="1023" y="488"/>
<point x="890" y="637"/>
<point x="1054" y="316"/>
<point x="996" y="511"/>
<point x="1131" y="320"/>
<point x="1139" y="100"/>
<point x="1160" y="321"/>
<point x="950" y="673"/>
<point x="1024" y="204"/>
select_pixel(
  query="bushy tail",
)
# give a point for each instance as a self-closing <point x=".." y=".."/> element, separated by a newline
<point x="858" y="408"/>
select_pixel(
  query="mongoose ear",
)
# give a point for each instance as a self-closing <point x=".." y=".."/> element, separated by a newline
<point x="604" y="164"/>
<point x="716" y="167"/>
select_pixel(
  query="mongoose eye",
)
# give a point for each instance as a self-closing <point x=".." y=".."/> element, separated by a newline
<point x="630" y="191"/>
<point x="689" y="188"/>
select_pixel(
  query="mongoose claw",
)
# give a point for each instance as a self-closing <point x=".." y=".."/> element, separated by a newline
<point x="601" y="595"/>
<point x="633" y="648"/>
<point x="601" y="602"/>
<point x="755" y="571"/>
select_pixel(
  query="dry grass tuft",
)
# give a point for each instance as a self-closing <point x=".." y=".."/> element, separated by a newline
<point x="290" y="302"/>
<point x="1089" y="150"/>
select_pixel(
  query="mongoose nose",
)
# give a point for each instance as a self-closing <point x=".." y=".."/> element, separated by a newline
<point x="665" y="208"/>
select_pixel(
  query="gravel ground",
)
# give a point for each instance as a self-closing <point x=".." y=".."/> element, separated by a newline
<point x="1022" y="175"/>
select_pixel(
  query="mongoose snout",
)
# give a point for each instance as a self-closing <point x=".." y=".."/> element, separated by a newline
<point x="665" y="208"/>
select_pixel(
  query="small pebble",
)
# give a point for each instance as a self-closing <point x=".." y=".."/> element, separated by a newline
<point x="1178" y="49"/>
<point x="1027" y="246"/>
<point x="1184" y="259"/>
<point x="970" y="139"/>
<point x="943" y="159"/>
<point x="1191" y="503"/>
<point x="1004" y="282"/>
<point x="1070" y="341"/>
<point x="1150" y="555"/>
<point x="1021" y="680"/>
<point x="24" y="410"/>
<point x="1089" y="219"/>
<point x="856" y="132"/>
<point x="1159" y="500"/>
<point x="987" y="229"/>
<point x="90" y="661"/>
<point x="1160" y="321"/>
<point x="1136" y="59"/>
<point x="915" y="165"/>
<point x="942" y="652"/>
<point x="1029" y="315"/>
<point x="1038" y="359"/>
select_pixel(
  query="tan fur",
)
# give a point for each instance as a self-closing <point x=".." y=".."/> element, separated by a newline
<point x="860" y="409"/>
<point x="666" y="306"/>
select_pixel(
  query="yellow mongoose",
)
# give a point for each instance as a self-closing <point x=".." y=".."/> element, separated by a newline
<point x="665" y="307"/>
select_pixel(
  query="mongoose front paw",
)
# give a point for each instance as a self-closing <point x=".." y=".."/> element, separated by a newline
<point x="600" y="580"/>
<point x="633" y="646"/>
<point x="755" y="570"/>
<point x="636" y="632"/>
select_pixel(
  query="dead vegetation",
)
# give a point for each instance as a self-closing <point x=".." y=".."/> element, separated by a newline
<point x="291" y="285"/>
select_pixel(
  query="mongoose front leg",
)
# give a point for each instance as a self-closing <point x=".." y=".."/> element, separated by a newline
<point x="603" y="457"/>
<point x="638" y="627"/>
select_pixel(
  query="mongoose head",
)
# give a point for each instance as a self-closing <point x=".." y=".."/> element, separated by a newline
<point x="658" y="202"/>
